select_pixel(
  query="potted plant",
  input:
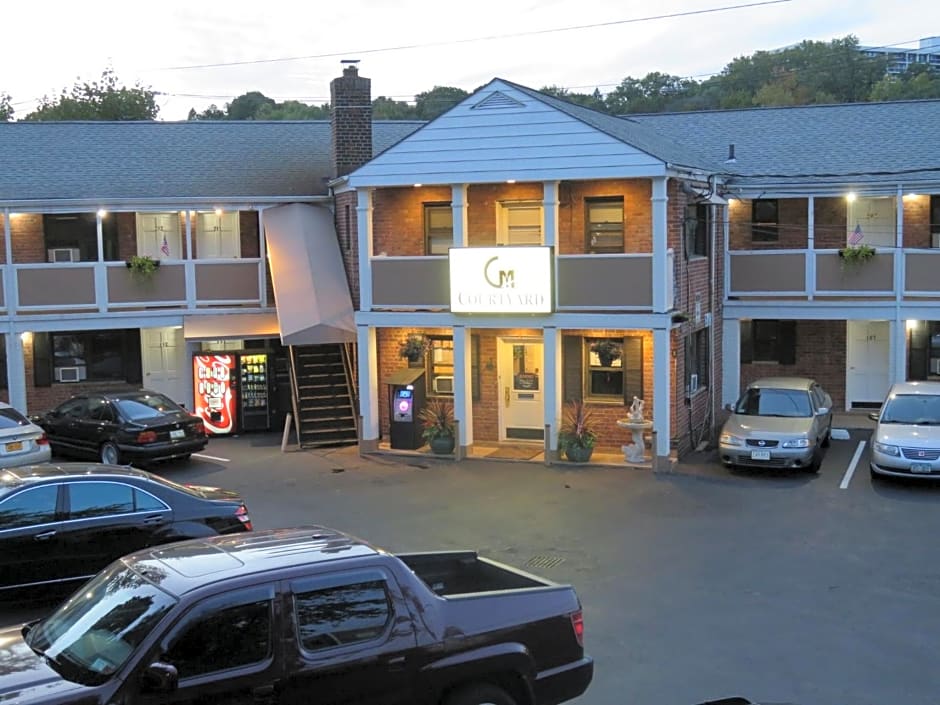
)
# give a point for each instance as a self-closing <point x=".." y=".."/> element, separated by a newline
<point x="854" y="255"/>
<point x="607" y="351"/>
<point x="413" y="347"/>
<point x="142" y="266"/>
<point x="577" y="436"/>
<point x="439" y="429"/>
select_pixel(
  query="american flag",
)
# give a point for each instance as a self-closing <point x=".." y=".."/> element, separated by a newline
<point x="854" y="238"/>
<point x="165" y="247"/>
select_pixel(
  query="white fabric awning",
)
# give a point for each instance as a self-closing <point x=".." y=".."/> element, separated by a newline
<point x="230" y="326"/>
<point x="310" y="287"/>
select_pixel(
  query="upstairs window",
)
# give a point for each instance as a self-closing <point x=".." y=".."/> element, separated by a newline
<point x="438" y="228"/>
<point x="764" y="220"/>
<point x="519" y="223"/>
<point x="604" y="225"/>
<point x="697" y="229"/>
<point x="73" y="237"/>
<point x="696" y="361"/>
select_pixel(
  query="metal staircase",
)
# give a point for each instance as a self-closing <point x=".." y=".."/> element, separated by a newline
<point x="324" y="389"/>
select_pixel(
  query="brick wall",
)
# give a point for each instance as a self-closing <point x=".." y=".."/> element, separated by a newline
<point x="830" y="216"/>
<point x="917" y="221"/>
<point x="27" y="236"/>
<point x="126" y="234"/>
<point x="820" y="354"/>
<point x="351" y="121"/>
<point x="347" y="231"/>
<point x="398" y="218"/>
<point x="248" y="233"/>
<point x="637" y="213"/>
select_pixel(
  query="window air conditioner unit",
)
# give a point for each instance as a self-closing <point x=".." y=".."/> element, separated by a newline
<point x="68" y="374"/>
<point x="443" y="384"/>
<point x="64" y="254"/>
<point x="693" y="384"/>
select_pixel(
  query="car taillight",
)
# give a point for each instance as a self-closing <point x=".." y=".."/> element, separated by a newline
<point x="146" y="436"/>
<point x="43" y="440"/>
<point x="200" y="428"/>
<point x="577" y="623"/>
<point x="242" y="514"/>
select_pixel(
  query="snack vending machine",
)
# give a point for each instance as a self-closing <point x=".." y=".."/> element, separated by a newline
<point x="233" y="391"/>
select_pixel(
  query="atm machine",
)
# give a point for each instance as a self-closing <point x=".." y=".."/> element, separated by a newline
<point x="407" y="397"/>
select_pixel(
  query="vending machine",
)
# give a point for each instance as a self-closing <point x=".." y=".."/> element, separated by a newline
<point x="233" y="391"/>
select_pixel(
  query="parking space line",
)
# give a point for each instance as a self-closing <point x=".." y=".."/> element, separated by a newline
<point x="851" y="470"/>
<point x="211" y="457"/>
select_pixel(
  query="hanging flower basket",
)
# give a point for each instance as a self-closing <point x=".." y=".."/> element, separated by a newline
<point x="607" y="351"/>
<point x="142" y="266"/>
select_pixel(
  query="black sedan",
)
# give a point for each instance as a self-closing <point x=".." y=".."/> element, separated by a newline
<point x="62" y="523"/>
<point x="123" y="427"/>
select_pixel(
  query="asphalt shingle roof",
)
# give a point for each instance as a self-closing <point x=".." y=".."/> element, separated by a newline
<point x="167" y="160"/>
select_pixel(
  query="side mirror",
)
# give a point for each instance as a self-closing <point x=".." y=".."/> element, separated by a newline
<point x="822" y="411"/>
<point x="729" y="407"/>
<point x="875" y="415"/>
<point x="160" y="677"/>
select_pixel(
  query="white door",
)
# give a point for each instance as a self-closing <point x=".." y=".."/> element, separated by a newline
<point x="165" y="368"/>
<point x="158" y="235"/>
<point x="519" y="223"/>
<point x="868" y="363"/>
<point x="217" y="235"/>
<point x="521" y="385"/>
<point x="873" y="220"/>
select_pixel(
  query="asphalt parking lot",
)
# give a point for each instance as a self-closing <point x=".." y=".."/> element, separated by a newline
<point x="779" y="586"/>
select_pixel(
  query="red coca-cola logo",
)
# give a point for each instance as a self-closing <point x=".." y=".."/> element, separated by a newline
<point x="215" y="401"/>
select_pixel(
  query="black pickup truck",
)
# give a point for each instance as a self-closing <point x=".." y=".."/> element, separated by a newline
<point x="307" y="615"/>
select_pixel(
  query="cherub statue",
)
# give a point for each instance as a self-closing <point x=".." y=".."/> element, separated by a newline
<point x="636" y="409"/>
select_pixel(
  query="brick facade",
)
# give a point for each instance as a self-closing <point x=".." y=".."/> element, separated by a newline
<point x="351" y="120"/>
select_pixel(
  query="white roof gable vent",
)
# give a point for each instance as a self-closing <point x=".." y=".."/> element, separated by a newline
<point x="496" y="99"/>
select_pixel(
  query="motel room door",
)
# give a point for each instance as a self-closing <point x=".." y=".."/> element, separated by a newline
<point x="521" y="383"/>
<point x="868" y="363"/>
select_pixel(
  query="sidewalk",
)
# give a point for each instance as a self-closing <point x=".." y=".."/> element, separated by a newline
<point x="853" y="419"/>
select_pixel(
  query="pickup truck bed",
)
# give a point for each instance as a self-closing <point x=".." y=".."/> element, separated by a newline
<point x="462" y="572"/>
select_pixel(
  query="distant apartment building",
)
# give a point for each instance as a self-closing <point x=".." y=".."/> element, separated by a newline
<point x="900" y="59"/>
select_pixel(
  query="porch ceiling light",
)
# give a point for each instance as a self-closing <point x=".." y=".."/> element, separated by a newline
<point x="418" y="185"/>
<point x="26" y="336"/>
<point x="218" y="211"/>
<point x="510" y="181"/>
<point x="912" y="325"/>
<point x="102" y="212"/>
<point x="850" y="196"/>
<point x="910" y="196"/>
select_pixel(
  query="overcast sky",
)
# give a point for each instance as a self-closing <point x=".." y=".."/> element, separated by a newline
<point x="410" y="46"/>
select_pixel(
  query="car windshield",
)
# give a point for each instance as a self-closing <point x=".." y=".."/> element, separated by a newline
<point x="89" y="637"/>
<point x="146" y="406"/>
<point x="789" y="403"/>
<point x="916" y="409"/>
<point x="11" y="418"/>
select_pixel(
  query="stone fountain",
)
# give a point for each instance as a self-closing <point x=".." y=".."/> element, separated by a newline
<point x="635" y="452"/>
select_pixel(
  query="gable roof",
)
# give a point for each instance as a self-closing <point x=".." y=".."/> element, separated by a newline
<point x="212" y="159"/>
<point x="864" y="143"/>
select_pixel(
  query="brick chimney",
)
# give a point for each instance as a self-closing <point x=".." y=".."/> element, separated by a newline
<point x="350" y="121"/>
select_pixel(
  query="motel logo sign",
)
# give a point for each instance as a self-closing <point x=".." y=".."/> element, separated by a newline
<point x="501" y="279"/>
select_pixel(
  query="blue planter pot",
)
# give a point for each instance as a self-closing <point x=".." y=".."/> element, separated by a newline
<point x="442" y="445"/>
<point x="578" y="454"/>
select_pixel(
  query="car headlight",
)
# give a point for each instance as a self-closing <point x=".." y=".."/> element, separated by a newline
<point x="796" y="443"/>
<point x="729" y="440"/>
<point x="886" y="449"/>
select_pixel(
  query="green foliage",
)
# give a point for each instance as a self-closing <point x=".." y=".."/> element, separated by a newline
<point x="438" y="100"/>
<point x="577" y="426"/>
<point x="414" y="346"/>
<point x="106" y="99"/>
<point x="854" y="255"/>
<point x="387" y="109"/>
<point x="142" y="266"/>
<point x="437" y="419"/>
<point x="917" y="83"/>
<point x="6" y="109"/>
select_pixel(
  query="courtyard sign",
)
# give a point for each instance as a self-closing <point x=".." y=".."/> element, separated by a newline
<point x="501" y="279"/>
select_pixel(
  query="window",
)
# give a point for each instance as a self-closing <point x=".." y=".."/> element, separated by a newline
<point x="696" y="361"/>
<point x="223" y="638"/>
<point x="697" y="229"/>
<point x="764" y="220"/>
<point x="440" y="366"/>
<point x="100" y="410"/>
<point x="604" y="224"/>
<point x="146" y="502"/>
<point x="94" y="355"/>
<point x="768" y="341"/>
<point x="344" y="614"/>
<point x="595" y="370"/>
<point x="99" y="499"/>
<point x="29" y="507"/>
<point x="438" y="228"/>
<point x="78" y="232"/>
<point x="520" y="223"/>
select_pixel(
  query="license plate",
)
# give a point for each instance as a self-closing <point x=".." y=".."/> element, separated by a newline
<point x="15" y="446"/>
<point x="177" y="433"/>
<point x="921" y="468"/>
<point x="760" y="455"/>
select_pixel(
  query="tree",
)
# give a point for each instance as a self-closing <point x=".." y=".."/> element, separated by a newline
<point x="438" y="100"/>
<point x="213" y="112"/>
<point x="294" y="110"/>
<point x="656" y="92"/>
<point x="388" y="109"/>
<point x="594" y="100"/>
<point x="916" y="83"/>
<point x="106" y="99"/>
<point x="6" y="109"/>
<point x="248" y="106"/>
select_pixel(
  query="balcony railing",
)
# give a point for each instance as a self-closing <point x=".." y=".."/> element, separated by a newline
<point x="822" y="273"/>
<point x="582" y="282"/>
<point x="109" y="286"/>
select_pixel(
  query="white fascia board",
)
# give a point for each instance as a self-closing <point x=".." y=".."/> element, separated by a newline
<point x="816" y="310"/>
<point x="824" y="190"/>
<point x="417" y="319"/>
<point x="183" y="203"/>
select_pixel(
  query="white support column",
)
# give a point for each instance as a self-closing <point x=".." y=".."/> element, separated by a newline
<point x="101" y="273"/>
<point x="898" y="334"/>
<point x="730" y="360"/>
<point x="463" y="397"/>
<point x="899" y="263"/>
<point x="364" y="230"/>
<point x="16" y="369"/>
<point x="263" y="265"/>
<point x="726" y="227"/>
<point x="811" y="247"/>
<point x="189" y="266"/>
<point x="550" y="213"/>
<point x="552" y="395"/>
<point x="460" y="207"/>
<point x="10" y="297"/>
<point x="368" y="389"/>
<point x="662" y="388"/>
<point x="661" y="276"/>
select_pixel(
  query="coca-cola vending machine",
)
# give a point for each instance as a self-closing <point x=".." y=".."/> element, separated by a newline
<point x="215" y="387"/>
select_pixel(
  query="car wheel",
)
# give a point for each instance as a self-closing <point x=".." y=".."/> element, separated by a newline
<point x="814" y="466"/>
<point x="827" y="438"/>
<point x="481" y="694"/>
<point x="110" y="455"/>
<point x="874" y="475"/>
